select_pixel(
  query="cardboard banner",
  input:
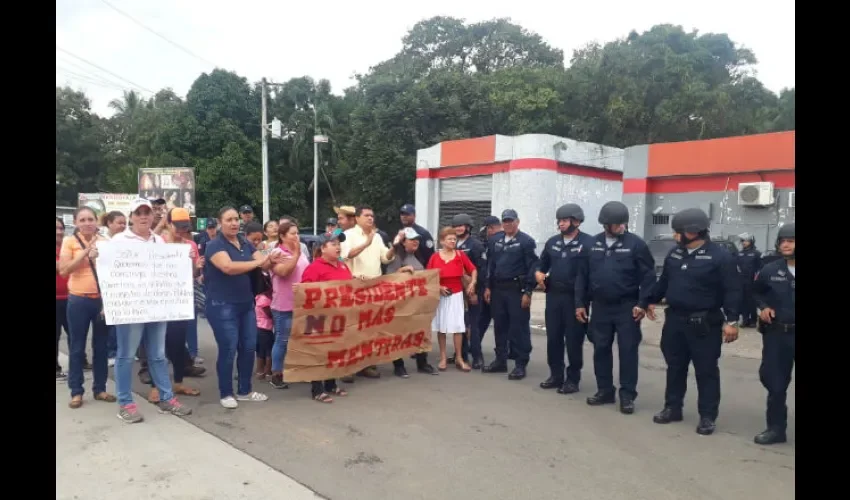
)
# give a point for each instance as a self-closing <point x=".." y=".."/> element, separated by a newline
<point x="341" y="327"/>
<point x="142" y="283"/>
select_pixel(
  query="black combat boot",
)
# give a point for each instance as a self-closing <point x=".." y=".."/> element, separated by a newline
<point x="771" y="436"/>
<point x="668" y="415"/>
<point x="602" y="398"/>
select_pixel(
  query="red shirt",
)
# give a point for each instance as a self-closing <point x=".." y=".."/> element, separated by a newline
<point x="322" y="270"/>
<point x="61" y="283"/>
<point x="452" y="271"/>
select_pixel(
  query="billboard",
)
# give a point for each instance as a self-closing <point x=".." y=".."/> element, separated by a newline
<point x="175" y="185"/>
<point x="103" y="203"/>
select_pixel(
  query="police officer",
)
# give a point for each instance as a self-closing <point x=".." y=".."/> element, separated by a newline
<point x="749" y="264"/>
<point x="560" y="260"/>
<point x="699" y="279"/>
<point x="407" y="214"/>
<point x="775" y="294"/>
<point x="474" y="249"/>
<point x="512" y="262"/>
<point x="492" y="226"/>
<point x="331" y="225"/>
<point x="616" y="272"/>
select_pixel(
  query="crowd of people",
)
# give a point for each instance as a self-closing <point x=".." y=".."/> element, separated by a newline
<point x="598" y="287"/>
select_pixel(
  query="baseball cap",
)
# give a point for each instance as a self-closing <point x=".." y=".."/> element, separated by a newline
<point x="407" y="209"/>
<point x="331" y="222"/>
<point x="138" y="203"/>
<point x="245" y="209"/>
<point x="345" y="210"/>
<point x="179" y="217"/>
<point x="491" y="220"/>
<point x="157" y="201"/>
<point x="509" y="214"/>
<point x="411" y="234"/>
<point x="211" y="222"/>
<point x="326" y="237"/>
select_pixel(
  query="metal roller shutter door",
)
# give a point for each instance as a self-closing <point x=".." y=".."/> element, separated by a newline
<point x="469" y="195"/>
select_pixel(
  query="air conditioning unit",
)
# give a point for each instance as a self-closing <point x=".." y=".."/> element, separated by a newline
<point x="792" y="203"/>
<point x="755" y="194"/>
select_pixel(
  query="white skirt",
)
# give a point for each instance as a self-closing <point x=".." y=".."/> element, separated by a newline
<point x="450" y="315"/>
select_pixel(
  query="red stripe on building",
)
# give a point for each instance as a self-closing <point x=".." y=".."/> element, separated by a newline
<point x="521" y="164"/>
<point x="706" y="183"/>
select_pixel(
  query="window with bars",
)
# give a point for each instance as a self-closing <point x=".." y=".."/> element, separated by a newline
<point x="660" y="219"/>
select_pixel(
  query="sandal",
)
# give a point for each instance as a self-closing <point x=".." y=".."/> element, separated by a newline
<point x="105" y="397"/>
<point x="76" y="402"/>
<point x="340" y="392"/>
<point x="442" y="366"/>
<point x="323" y="398"/>
<point x="185" y="391"/>
<point x="463" y="367"/>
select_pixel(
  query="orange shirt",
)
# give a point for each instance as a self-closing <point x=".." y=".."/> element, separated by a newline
<point x="81" y="281"/>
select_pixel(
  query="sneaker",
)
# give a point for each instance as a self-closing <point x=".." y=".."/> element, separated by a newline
<point x="173" y="407"/>
<point x="111" y="362"/>
<point x="277" y="382"/>
<point x="61" y="376"/>
<point x="253" y="396"/>
<point x="229" y="403"/>
<point x="130" y="414"/>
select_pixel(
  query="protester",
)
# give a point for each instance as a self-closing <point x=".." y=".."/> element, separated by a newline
<point x="407" y="261"/>
<point x="452" y="264"/>
<point x="328" y="267"/>
<point x="115" y="222"/>
<point x="265" y="334"/>
<point x="284" y="276"/>
<point x="153" y="333"/>
<point x="61" y="300"/>
<point x="230" y="259"/>
<point x="270" y="231"/>
<point x="305" y="250"/>
<point x="85" y="307"/>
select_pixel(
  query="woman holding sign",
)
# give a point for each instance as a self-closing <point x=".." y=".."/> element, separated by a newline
<point x="449" y="319"/>
<point x="230" y="260"/>
<point x="84" y="307"/>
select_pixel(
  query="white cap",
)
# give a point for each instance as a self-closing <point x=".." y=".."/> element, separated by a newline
<point x="411" y="233"/>
<point x="140" y="202"/>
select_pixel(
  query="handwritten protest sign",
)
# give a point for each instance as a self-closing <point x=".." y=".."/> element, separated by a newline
<point x="143" y="283"/>
<point x="341" y="327"/>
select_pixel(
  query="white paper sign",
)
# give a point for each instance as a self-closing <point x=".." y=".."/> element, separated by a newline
<point x="143" y="282"/>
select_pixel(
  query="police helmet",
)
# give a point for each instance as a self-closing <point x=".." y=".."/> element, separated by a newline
<point x="462" y="220"/>
<point x="786" y="231"/>
<point x="613" y="212"/>
<point x="747" y="237"/>
<point x="570" y="211"/>
<point x="690" y="220"/>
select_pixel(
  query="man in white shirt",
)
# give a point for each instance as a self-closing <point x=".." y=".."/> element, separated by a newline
<point x="364" y="254"/>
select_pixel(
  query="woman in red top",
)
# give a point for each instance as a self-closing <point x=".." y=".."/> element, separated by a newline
<point x="61" y="299"/>
<point x="449" y="318"/>
<point x="327" y="267"/>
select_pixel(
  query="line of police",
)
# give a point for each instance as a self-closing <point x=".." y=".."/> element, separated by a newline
<point x="614" y="272"/>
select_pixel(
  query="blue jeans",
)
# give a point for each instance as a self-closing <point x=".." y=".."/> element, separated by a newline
<point x="234" y="327"/>
<point x="112" y="343"/>
<point x="129" y="337"/>
<point x="192" y="337"/>
<point x="282" y="328"/>
<point x="82" y="312"/>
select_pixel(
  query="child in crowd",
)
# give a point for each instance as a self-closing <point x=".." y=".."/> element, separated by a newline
<point x="265" y="334"/>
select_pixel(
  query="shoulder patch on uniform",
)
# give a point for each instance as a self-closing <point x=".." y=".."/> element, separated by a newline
<point x="429" y="244"/>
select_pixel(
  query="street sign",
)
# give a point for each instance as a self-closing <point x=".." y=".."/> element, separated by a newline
<point x="320" y="138"/>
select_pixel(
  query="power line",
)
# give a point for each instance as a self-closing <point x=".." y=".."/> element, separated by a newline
<point x="86" y="71"/>
<point x="86" y="79"/>
<point x="160" y="35"/>
<point x="104" y="70"/>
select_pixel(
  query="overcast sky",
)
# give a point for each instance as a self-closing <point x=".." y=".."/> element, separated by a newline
<point x="334" y="39"/>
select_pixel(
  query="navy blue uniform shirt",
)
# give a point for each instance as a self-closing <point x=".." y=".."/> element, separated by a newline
<point x="484" y="270"/>
<point x="562" y="261"/>
<point x="474" y="249"/>
<point x="508" y="260"/>
<point x="426" y="245"/>
<point x="774" y="288"/>
<point x="704" y="280"/>
<point x="749" y="263"/>
<point x="223" y="287"/>
<point x="620" y="273"/>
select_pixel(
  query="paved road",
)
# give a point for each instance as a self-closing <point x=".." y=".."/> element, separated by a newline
<point x="477" y="436"/>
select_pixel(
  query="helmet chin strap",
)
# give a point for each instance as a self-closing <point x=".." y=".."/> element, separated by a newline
<point x="685" y="241"/>
<point x="570" y="230"/>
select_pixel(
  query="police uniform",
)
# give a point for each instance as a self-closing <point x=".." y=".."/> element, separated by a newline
<point x="614" y="276"/>
<point x="484" y="310"/>
<point x="774" y="288"/>
<point x="512" y="262"/>
<point x="701" y="285"/>
<point x="560" y="258"/>
<point x="749" y="264"/>
<point x="474" y="249"/>
<point x="426" y="248"/>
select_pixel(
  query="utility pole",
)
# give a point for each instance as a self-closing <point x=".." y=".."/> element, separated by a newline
<point x="265" y="154"/>
<point x="315" y="172"/>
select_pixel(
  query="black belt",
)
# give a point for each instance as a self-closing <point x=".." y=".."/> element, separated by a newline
<point x="782" y="327"/>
